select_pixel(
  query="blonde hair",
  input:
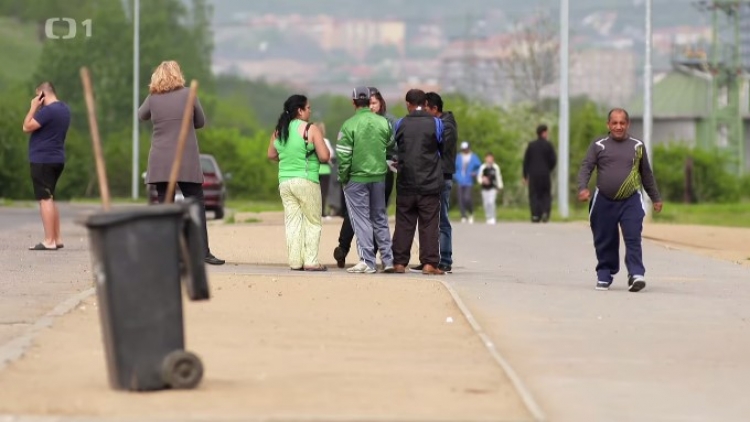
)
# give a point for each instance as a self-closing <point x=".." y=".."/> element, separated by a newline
<point x="166" y="77"/>
<point x="322" y="127"/>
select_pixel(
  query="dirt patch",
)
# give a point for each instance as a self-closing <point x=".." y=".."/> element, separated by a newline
<point x="327" y="346"/>
<point x="726" y="243"/>
<point x="264" y="242"/>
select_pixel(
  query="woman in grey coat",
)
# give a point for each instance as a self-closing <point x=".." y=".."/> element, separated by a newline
<point x="165" y="106"/>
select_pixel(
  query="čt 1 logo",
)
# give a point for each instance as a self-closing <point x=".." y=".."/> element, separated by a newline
<point x="49" y="28"/>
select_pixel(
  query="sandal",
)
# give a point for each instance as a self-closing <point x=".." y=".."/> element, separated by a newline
<point x="318" y="268"/>
<point x="40" y="247"/>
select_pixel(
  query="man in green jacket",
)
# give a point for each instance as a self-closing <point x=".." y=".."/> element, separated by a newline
<point x="362" y="146"/>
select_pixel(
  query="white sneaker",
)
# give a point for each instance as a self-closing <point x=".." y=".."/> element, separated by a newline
<point x="471" y="220"/>
<point x="361" y="268"/>
<point x="491" y="221"/>
<point x="463" y="219"/>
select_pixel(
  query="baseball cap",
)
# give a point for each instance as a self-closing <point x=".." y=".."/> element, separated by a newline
<point x="464" y="145"/>
<point x="361" y="93"/>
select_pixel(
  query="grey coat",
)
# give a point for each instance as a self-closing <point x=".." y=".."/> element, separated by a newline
<point x="165" y="111"/>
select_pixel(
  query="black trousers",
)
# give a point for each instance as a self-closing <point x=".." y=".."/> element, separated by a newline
<point x="346" y="234"/>
<point x="189" y="190"/>
<point x="325" y="180"/>
<point x="424" y="211"/>
<point x="540" y="198"/>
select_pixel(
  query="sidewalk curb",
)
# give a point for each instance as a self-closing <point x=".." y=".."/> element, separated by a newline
<point x="16" y="348"/>
<point x="528" y="400"/>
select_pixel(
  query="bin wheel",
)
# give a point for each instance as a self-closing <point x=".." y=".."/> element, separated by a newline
<point x="182" y="369"/>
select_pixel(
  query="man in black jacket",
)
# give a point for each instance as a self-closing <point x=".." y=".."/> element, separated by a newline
<point x="419" y="184"/>
<point x="538" y="162"/>
<point x="448" y="161"/>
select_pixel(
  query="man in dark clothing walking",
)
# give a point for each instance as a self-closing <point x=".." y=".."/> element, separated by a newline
<point x="538" y="162"/>
<point x="419" y="184"/>
<point x="448" y="161"/>
<point x="622" y="167"/>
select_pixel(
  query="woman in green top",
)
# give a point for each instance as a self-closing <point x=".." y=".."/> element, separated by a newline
<point x="299" y="149"/>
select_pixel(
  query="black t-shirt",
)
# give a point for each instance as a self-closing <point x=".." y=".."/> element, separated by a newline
<point x="489" y="177"/>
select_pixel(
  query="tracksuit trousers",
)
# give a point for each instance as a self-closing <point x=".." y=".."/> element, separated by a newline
<point x="365" y="204"/>
<point x="607" y="218"/>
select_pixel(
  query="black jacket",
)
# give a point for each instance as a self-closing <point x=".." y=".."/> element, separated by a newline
<point x="417" y="141"/>
<point x="540" y="159"/>
<point x="450" y="139"/>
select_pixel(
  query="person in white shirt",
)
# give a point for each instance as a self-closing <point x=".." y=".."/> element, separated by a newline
<point x="491" y="180"/>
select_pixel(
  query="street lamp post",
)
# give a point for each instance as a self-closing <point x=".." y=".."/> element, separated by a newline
<point x="136" y="67"/>
<point x="647" y="101"/>
<point x="563" y="136"/>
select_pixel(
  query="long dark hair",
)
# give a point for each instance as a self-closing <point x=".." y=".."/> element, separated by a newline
<point x="292" y="105"/>
<point x="378" y="96"/>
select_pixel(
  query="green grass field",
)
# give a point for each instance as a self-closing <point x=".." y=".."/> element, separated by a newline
<point x="21" y="50"/>
<point x="729" y="215"/>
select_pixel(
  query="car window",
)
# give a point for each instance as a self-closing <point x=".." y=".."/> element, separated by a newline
<point x="207" y="165"/>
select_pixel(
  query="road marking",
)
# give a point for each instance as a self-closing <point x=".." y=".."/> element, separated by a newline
<point x="523" y="391"/>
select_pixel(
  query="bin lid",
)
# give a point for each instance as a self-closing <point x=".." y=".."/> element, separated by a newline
<point x="127" y="214"/>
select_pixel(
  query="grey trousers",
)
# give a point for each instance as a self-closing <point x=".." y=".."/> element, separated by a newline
<point x="465" y="201"/>
<point x="365" y="203"/>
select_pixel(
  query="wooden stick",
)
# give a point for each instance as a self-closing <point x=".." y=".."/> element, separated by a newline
<point x="187" y="120"/>
<point x="98" y="156"/>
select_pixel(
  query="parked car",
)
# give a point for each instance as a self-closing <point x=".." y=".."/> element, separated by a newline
<point x="214" y="188"/>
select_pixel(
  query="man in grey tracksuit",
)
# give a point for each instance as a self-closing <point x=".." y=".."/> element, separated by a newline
<point x="622" y="168"/>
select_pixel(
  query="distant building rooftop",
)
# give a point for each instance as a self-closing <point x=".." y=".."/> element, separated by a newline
<point x="677" y="95"/>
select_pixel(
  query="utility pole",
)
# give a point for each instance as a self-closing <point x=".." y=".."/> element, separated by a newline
<point x="563" y="136"/>
<point x="136" y="68"/>
<point x="728" y="76"/>
<point x="648" y="81"/>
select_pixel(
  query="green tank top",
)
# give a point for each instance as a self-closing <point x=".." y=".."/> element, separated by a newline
<point x="294" y="163"/>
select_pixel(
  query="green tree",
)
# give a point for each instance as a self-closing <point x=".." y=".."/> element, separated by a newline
<point x="14" y="168"/>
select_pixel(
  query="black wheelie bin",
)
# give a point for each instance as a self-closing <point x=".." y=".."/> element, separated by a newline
<point x="140" y="256"/>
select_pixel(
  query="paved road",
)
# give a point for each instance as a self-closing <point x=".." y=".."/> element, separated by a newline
<point x="32" y="283"/>
<point x="677" y="351"/>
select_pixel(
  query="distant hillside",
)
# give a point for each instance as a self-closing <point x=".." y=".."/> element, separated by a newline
<point x="665" y="12"/>
<point x="20" y="51"/>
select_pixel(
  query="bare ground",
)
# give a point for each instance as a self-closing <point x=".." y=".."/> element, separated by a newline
<point x="295" y="346"/>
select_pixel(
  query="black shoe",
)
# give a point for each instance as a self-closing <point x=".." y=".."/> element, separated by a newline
<point x="445" y="268"/>
<point x="545" y="218"/>
<point x="636" y="283"/>
<point x="417" y="269"/>
<point x="339" y="254"/>
<point x="210" y="259"/>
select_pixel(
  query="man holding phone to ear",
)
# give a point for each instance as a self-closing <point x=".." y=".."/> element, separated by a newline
<point x="47" y="121"/>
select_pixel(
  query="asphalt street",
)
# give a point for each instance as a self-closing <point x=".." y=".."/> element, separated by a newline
<point x="32" y="283"/>
<point x="676" y="351"/>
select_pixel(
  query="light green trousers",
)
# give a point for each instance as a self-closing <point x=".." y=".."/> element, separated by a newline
<point x="302" y="214"/>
